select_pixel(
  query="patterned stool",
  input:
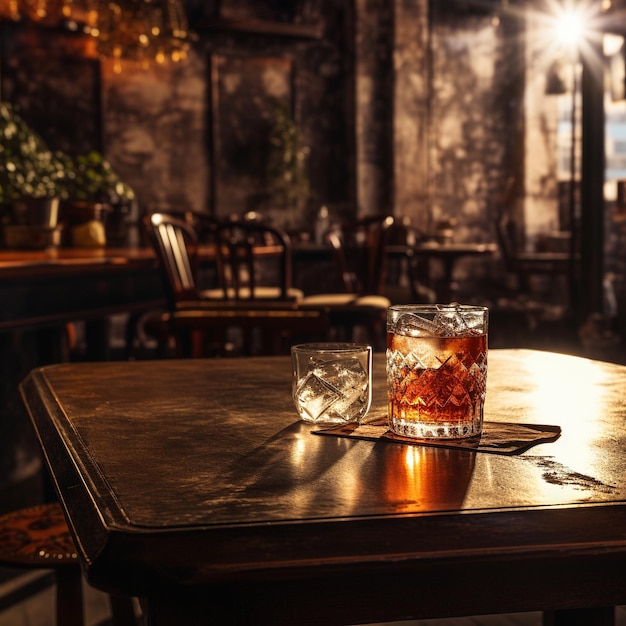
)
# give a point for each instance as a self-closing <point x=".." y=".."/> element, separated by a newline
<point x="38" y="538"/>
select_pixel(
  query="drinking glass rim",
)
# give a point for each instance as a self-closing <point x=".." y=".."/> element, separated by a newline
<point x="331" y="346"/>
<point x="434" y="308"/>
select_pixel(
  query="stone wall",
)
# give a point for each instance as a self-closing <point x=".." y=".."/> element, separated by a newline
<point x="468" y="130"/>
<point x="395" y="101"/>
<point x="195" y="134"/>
<point x="412" y="131"/>
<point x="409" y="107"/>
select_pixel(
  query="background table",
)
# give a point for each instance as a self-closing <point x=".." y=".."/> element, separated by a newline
<point x="192" y="484"/>
<point x="448" y="254"/>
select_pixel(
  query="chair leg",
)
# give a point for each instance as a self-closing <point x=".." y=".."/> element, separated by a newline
<point x="524" y="282"/>
<point x="130" y="334"/>
<point x="185" y="342"/>
<point x="69" y="596"/>
<point x="122" y="611"/>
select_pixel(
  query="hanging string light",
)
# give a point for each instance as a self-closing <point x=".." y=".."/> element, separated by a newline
<point x="144" y="31"/>
<point x="50" y="11"/>
<point x="81" y="14"/>
<point x="35" y="10"/>
<point x="9" y="10"/>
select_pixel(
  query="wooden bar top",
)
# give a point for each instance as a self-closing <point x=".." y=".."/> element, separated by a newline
<point x="14" y="262"/>
<point x="24" y="263"/>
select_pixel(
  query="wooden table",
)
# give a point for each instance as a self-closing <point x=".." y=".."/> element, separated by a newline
<point x="193" y="485"/>
<point x="448" y="254"/>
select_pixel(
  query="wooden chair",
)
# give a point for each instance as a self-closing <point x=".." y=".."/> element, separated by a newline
<point x="244" y="300"/>
<point x="267" y="328"/>
<point x="529" y="314"/>
<point x="525" y="264"/>
<point x="38" y="538"/>
<point x="174" y="237"/>
<point x="240" y="247"/>
<point x="359" y="249"/>
<point x="175" y="242"/>
<point x="407" y="275"/>
<point x="254" y="261"/>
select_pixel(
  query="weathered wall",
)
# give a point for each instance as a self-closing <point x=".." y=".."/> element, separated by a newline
<point x="539" y="208"/>
<point x="397" y="102"/>
<point x="196" y="134"/>
<point x="406" y="107"/>
<point x="469" y="131"/>
<point x="154" y="131"/>
<point x="374" y="106"/>
<point x="411" y="112"/>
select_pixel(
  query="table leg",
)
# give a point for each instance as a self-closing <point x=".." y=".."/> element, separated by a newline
<point x="97" y="337"/>
<point x="450" y="287"/>
<point x="597" y="616"/>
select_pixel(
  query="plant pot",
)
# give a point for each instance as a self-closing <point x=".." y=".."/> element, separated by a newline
<point x="20" y="237"/>
<point x="81" y="211"/>
<point x="36" y="212"/>
<point x="76" y="215"/>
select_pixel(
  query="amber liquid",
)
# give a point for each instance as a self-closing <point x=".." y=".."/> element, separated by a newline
<point x="436" y="385"/>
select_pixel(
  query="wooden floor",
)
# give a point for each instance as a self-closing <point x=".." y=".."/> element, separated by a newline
<point x="38" y="609"/>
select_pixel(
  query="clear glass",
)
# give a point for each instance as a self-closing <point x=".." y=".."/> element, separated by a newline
<point x="436" y="370"/>
<point x="332" y="382"/>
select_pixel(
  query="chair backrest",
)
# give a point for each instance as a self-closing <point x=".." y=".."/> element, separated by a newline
<point x="175" y="242"/>
<point x="403" y="234"/>
<point x="506" y="227"/>
<point x="360" y="253"/>
<point x="508" y="238"/>
<point x="252" y="254"/>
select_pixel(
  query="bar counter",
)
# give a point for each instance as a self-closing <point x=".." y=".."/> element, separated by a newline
<point x="46" y="287"/>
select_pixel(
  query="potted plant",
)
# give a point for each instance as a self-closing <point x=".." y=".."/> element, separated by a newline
<point x="30" y="182"/>
<point x="288" y="182"/>
<point x="91" y="178"/>
<point x="94" y="192"/>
